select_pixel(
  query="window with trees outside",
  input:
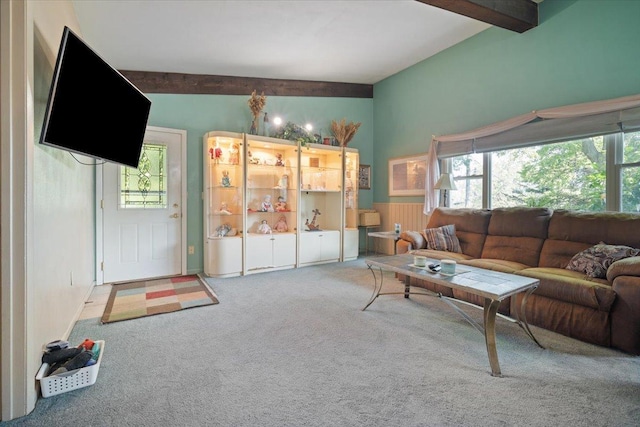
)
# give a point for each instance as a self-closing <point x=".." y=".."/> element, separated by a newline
<point x="592" y="174"/>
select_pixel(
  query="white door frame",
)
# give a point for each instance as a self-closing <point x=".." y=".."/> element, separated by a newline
<point x="183" y="203"/>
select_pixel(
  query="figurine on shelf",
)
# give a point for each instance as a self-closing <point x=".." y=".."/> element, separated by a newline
<point x="264" y="227"/>
<point x="312" y="226"/>
<point x="281" y="206"/>
<point x="252" y="160"/>
<point x="279" y="161"/>
<point x="234" y="154"/>
<point x="226" y="181"/>
<point x="266" y="204"/>
<point x="224" y="209"/>
<point x="216" y="154"/>
<point x="281" y="226"/>
<point x="223" y="230"/>
<point x="283" y="182"/>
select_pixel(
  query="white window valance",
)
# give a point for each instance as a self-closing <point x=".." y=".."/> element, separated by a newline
<point x="544" y="126"/>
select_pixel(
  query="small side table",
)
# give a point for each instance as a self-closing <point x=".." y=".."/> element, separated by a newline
<point x="392" y="235"/>
<point x="366" y="236"/>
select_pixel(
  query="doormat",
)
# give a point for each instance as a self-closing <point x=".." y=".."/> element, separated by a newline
<point x="157" y="296"/>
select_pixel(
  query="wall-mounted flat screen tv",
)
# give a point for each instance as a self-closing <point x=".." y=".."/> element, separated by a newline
<point x="93" y="109"/>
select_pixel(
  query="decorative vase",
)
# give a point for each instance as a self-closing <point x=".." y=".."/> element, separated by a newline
<point x="254" y="126"/>
<point x="265" y="125"/>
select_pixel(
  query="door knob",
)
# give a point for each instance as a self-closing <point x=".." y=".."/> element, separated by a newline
<point x="175" y="215"/>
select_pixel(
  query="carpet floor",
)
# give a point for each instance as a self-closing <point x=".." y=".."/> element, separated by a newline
<point x="294" y="348"/>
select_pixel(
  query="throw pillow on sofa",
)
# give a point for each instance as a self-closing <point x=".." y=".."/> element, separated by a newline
<point x="595" y="260"/>
<point x="442" y="238"/>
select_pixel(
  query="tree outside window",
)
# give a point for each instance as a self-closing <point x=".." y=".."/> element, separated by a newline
<point x="567" y="175"/>
<point x="630" y="173"/>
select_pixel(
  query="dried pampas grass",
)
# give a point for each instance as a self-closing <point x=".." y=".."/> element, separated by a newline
<point x="257" y="103"/>
<point x="344" y="132"/>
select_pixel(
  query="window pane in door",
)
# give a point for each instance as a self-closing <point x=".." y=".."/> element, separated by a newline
<point x="146" y="186"/>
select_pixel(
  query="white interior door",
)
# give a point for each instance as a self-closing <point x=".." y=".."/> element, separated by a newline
<point x="143" y="211"/>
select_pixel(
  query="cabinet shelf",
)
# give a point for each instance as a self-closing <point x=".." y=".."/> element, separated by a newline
<point x="222" y="187"/>
<point x="214" y="237"/>
<point x="270" y="188"/>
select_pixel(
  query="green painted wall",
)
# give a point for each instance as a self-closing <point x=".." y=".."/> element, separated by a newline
<point x="198" y="114"/>
<point x="582" y="51"/>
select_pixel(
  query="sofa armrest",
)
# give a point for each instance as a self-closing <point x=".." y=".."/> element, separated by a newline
<point x="403" y="246"/>
<point x="414" y="239"/>
<point x="624" y="267"/>
<point x="625" y="314"/>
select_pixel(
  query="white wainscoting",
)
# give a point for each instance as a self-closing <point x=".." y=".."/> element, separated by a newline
<point x="408" y="215"/>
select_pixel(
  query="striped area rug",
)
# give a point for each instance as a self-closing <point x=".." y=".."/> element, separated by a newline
<point x="147" y="298"/>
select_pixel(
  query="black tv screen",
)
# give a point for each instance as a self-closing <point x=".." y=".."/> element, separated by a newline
<point x="93" y="109"/>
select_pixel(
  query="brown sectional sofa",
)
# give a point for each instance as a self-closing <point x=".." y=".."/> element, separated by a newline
<point x="539" y="243"/>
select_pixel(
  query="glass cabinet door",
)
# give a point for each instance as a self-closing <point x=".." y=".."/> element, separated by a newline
<point x="320" y="204"/>
<point x="320" y="187"/>
<point x="272" y="203"/>
<point x="224" y="182"/>
<point x="223" y="198"/>
<point x="350" y="247"/>
<point x="272" y="175"/>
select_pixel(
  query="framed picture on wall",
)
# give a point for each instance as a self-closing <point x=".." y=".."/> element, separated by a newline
<point x="364" y="177"/>
<point x="408" y="175"/>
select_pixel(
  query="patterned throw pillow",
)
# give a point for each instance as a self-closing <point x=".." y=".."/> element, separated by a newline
<point x="595" y="260"/>
<point x="442" y="238"/>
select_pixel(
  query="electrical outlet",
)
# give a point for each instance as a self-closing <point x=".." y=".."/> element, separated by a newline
<point x="192" y="250"/>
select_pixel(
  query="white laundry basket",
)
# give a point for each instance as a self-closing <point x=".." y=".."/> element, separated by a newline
<point x="72" y="380"/>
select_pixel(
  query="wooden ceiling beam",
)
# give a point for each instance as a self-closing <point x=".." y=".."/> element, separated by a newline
<point x="157" y="82"/>
<point x="514" y="15"/>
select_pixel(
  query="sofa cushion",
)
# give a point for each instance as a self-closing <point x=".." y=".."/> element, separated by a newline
<point x="520" y="222"/>
<point x="593" y="227"/>
<point x="558" y="253"/>
<point x="471" y="226"/>
<point x="415" y="238"/>
<point x="442" y="238"/>
<point x="496" y="265"/>
<point x="572" y="287"/>
<point x="595" y="260"/>
<point x="470" y="220"/>
<point x="517" y="234"/>
<point x="525" y="250"/>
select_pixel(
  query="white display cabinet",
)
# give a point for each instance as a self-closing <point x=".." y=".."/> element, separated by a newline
<point x="321" y="201"/>
<point x="350" y="234"/>
<point x="272" y="204"/>
<point x="223" y="198"/>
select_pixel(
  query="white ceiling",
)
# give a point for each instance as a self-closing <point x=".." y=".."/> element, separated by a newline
<point x="352" y="41"/>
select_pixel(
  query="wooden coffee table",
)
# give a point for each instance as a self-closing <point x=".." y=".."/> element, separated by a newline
<point x="493" y="286"/>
